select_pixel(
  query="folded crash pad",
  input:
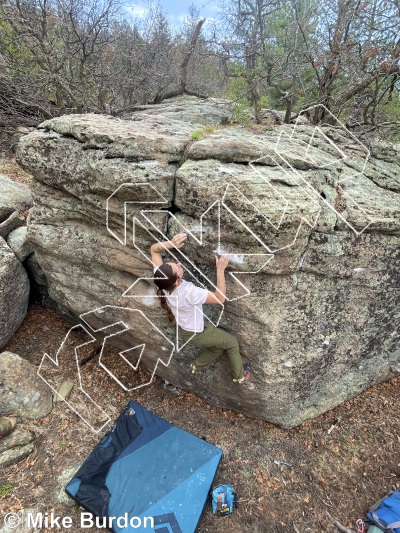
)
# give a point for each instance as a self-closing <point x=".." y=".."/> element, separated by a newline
<point x="146" y="475"/>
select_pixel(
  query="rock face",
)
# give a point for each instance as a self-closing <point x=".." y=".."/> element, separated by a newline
<point x="14" y="293"/>
<point x="19" y="243"/>
<point x="15" y="220"/>
<point x="16" y="447"/>
<point x="22" y="392"/>
<point x="313" y="212"/>
<point x="14" y="197"/>
<point x="14" y="283"/>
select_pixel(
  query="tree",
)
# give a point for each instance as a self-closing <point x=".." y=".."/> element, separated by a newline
<point x="297" y="53"/>
<point x="196" y="68"/>
<point x="63" y="43"/>
<point x="354" y="51"/>
<point x="258" y="45"/>
<point x="74" y="56"/>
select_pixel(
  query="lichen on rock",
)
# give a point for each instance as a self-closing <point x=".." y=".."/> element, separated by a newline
<point x="315" y="213"/>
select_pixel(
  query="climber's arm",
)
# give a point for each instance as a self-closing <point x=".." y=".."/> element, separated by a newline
<point x="218" y="296"/>
<point x="157" y="248"/>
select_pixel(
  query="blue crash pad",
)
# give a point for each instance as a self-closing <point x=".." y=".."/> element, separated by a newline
<point x="146" y="470"/>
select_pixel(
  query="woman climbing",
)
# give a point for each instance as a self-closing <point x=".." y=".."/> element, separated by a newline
<point x="184" y="303"/>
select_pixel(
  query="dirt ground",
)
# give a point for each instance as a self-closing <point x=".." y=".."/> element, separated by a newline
<point x="9" y="167"/>
<point x="341" y="472"/>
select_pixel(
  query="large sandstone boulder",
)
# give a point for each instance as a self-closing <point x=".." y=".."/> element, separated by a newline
<point x="14" y="293"/>
<point x="22" y="392"/>
<point x="313" y="212"/>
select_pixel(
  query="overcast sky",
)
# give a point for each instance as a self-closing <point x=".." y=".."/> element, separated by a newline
<point x="176" y="10"/>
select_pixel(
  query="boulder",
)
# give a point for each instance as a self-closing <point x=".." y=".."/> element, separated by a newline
<point x="22" y="392"/>
<point x="14" y="293"/>
<point x="19" y="132"/>
<point x="14" y="197"/>
<point x="15" y="447"/>
<point x="15" y="220"/>
<point x="215" y="111"/>
<point x="7" y="424"/>
<point x="310" y="218"/>
<point x="19" y="243"/>
<point x="15" y="455"/>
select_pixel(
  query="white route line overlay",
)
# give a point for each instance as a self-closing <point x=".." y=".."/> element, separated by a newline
<point x="299" y="176"/>
<point x="127" y="328"/>
<point x="137" y="222"/>
<point x="160" y="199"/>
<point x="143" y="346"/>
<point x="56" y="363"/>
<point x="269" y="254"/>
<point x="309" y="185"/>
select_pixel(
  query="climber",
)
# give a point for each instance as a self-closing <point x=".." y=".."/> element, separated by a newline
<point x="183" y="302"/>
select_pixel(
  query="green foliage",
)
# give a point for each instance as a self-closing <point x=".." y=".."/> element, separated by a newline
<point x="19" y="56"/>
<point x="237" y="91"/>
<point x="181" y="161"/>
<point x="390" y="112"/>
<point x="76" y="56"/>
<point x="196" y="135"/>
<point x="6" y="490"/>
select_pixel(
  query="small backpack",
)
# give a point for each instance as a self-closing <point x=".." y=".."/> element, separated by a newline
<point x="385" y="514"/>
<point x="223" y="500"/>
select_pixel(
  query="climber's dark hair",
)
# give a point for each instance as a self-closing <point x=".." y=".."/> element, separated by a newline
<point x="165" y="279"/>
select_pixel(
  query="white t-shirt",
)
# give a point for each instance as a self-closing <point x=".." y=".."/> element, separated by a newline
<point x="186" y="303"/>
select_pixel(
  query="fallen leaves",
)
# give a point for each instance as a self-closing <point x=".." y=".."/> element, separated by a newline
<point x="345" y="471"/>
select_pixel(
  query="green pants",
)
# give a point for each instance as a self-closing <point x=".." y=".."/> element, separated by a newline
<point x="215" y="341"/>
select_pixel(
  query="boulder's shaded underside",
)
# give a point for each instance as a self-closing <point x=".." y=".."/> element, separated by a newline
<point x="318" y="214"/>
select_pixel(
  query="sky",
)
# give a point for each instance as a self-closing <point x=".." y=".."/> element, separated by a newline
<point x="176" y="10"/>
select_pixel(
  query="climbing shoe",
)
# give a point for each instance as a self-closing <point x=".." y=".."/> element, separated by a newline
<point x="246" y="375"/>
